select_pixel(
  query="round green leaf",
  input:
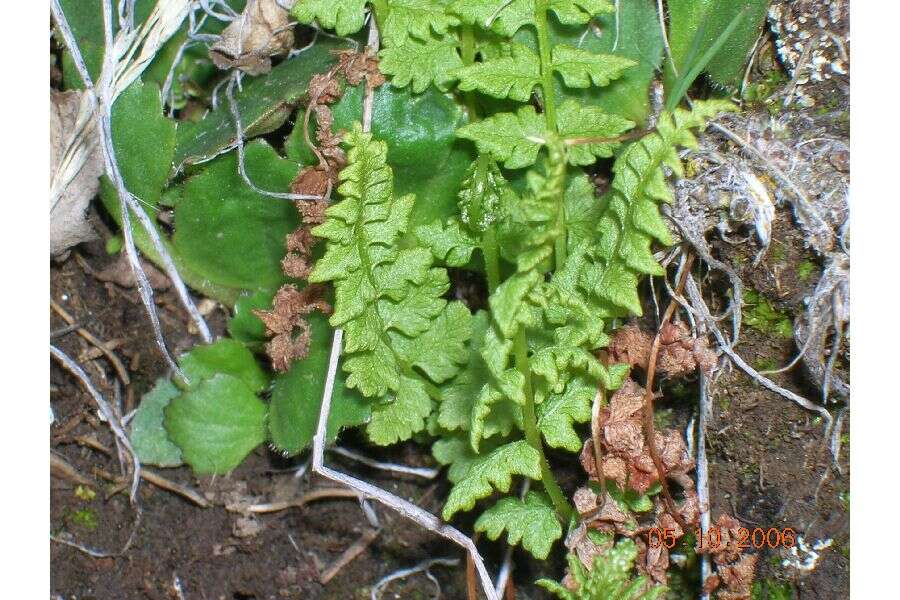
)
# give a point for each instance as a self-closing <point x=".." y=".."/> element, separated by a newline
<point x="216" y="424"/>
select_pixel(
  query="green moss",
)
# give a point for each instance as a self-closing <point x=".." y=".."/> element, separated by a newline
<point x="765" y="364"/>
<point x="777" y="253"/>
<point x="805" y="270"/>
<point x="85" y="493"/>
<point x="84" y="518"/>
<point x="761" y="315"/>
<point x="770" y="589"/>
<point x="662" y="418"/>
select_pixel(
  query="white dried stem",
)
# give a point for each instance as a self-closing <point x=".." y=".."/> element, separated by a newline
<point x="378" y="588"/>
<point x="399" y="505"/>
<point x="703" y="476"/>
<point x="805" y="209"/>
<point x="423" y="472"/>
<point x="106" y="411"/>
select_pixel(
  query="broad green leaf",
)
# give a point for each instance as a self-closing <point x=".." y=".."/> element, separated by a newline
<point x="493" y="470"/>
<point x="216" y="424"/>
<point x="695" y="25"/>
<point x="194" y="278"/>
<point x="421" y="63"/>
<point x="297" y="396"/>
<point x="85" y="19"/>
<point x="559" y="412"/>
<point x="420" y="133"/>
<point x="581" y="123"/>
<point x="229" y="233"/>
<point x="264" y="103"/>
<point x="223" y="356"/>
<point x="146" y="431"/>
<point x="344" y="16"/>
<point x="513" y="138"/>
<point x="511" y="77"/>
<point x="531" y="521"/>
<point x="579" y="12"/>
<point x="504" y="17"/>
<point x="580" y="68"/>
<point x="416" y="18"/>
<point x="144" y="141"/>
<point x="246" y="327"/>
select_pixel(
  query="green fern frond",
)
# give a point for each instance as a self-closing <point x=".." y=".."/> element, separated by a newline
<point x="402" y="337"/>
<point x="608" y="579"/>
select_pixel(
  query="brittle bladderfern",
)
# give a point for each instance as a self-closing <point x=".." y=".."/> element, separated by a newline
<point x="529" y="372"/>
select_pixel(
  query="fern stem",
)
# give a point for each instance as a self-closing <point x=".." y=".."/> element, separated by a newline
<point x="532" y="435"/>
<point x="467" y="52"/>
<point x="491" y="259"/>
<point x="540" y="23"/>
<point x="557" y="151"/>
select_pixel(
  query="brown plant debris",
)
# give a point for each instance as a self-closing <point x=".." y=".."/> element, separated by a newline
<point x="262" y="31"/>
<point x="356" y="66"/>
<point x="679" y="352"/>
<point x="626" y="455"/>
<point x="287" y="325"/>
<point x="735" y="570"/>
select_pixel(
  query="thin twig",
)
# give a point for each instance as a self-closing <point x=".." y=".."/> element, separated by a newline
<point x="400" y="505"/>
<point x="60" y="467"/>
<point x="239" y="144"/>
<point x="423" y="472"/>
<point x="313" y="496"/>
<point x="358" y="547"/>
<point x="114" y="76"/>
<point x="91" y="338"/>
<point x="175" y="487"/>
<point x="424" y="566"/>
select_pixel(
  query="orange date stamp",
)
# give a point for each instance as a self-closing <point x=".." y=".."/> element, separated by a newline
<point x="742" y="537"/>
